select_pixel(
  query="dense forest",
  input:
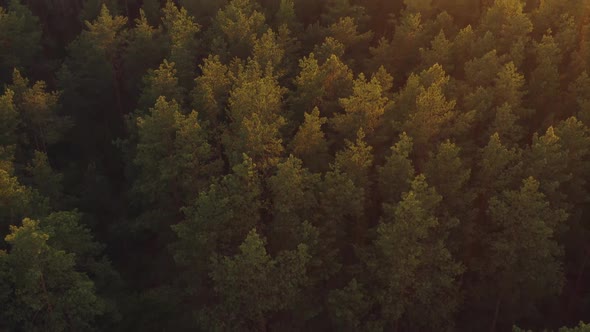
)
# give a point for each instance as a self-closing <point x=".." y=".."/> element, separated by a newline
<point x="294" y="165"/>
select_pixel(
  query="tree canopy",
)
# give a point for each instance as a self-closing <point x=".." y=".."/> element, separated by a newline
<point x="294" y="165"/>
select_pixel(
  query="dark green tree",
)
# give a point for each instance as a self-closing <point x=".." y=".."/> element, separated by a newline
<point x="410" y="244"/>
<point x="20" y="37"/>
<point x="235" y="29"/>
<point x="310" y="143"/>
<point x="524" y="255"/>
<point x="252" y="286"/>
<point x="181" y="30"/>
<point x="41" y="288"/>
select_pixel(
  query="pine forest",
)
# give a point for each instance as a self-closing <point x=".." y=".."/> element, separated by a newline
<point x="295" y="165"/>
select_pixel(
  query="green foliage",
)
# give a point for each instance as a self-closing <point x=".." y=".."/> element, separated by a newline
<point x="582" y="327"/>
<point x="355" y="160"/>
<point x="448" y="174"/>
<point x="410" y="244"/>
<point x="294" y="201"/>
<point x="220" y="217"/>
<point x="236" y="27"/>
<point x="524" y="255"/>
<point x="255" y="105"/>
<point x="15" y="199"/>
<point x="89" y="85"/>
<point x="499" y="167"/>
<point x="10" y="119"/>
<point x="345" y="31"/>
<point x="251" y="285"/>
<point x="363" y="110"/>
<point x="161" y="82"/>
<point x="545" y="162"/>
<point x="432" y="114"/>
<point x="181" y="30"/>
<point x="398" y="171"/>
<point x="286" y="16"/>
<point x="45" y="179"/>
<point x="145" y="50"/>
<point x="40" y="123"/>
<point x="42" y="289"/>
<point x="348" y="306"/>
<point x="440" y="51"/>
<point x="20" y="37"/>
<point x="309" y="142"/>
<point x="509" y="27"/>
<point x="252" y="165"/>
<point x="337" y="9"/>
<point x="545" y="78"/>
<point x="268" y="52"/>
<point x="173" y="157"/>
<point x="321" y="84"/>
<point x="402" y="52"/>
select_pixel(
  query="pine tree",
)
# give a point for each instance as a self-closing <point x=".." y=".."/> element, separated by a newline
<point x="328" y="48"/>
<point x="145" y="50"/>
<point x="341" y="219"/>
<point x="161" y="82"/>
<point x="545" y="161"/>
<point x="211" y="91"/>
<point x="356" y="160"/>
<point x="462" y="46"/>
<point x="509" y="26"/>
<point x="321" y="85"/>
<point x="16" y="200"/>
<point x="181" y="30"/>
<point x="507" y="125"/>
<point x="286" y="16"/>
<point x="410" y="244"/>
<point x="90" y="84"/>
<point x="524" y="255"/>
<point x="449" y="175"/>
<point x="255" y="106"/>
<point x="483" y="70"/>
<point x="174" y="159"/>
<point x="396" y="175"/>
<point x="220" y="218"/>
<point x="252" y="286"/>
<point x="499" y="168"/>
<point x="10" y="120"/>
<point x="267" y="51"/>
<point x="431" y="119"/>
<point x="401" y="53"/>
<point x="346" y="31"/>
<point x="363" y="109"/>
<point x="45" y="179"/>
<point x="348" y="306"/>
<point x="235" y="29"/>
<point x="308" y="85"/>
<point x="580" y="97"/>
<point x="544" y="82"/>
<point x="294" y="202"/>
<point x="575" y="140"/>
<point x="20" y="35"/>
<point x="337" y="9"/>
<point x="509" y="86"/>
<point x="440" y="52"/>
<point x="45" y="292"/>
<point x="309" y="143"/>
<point x="41" y="125"/>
